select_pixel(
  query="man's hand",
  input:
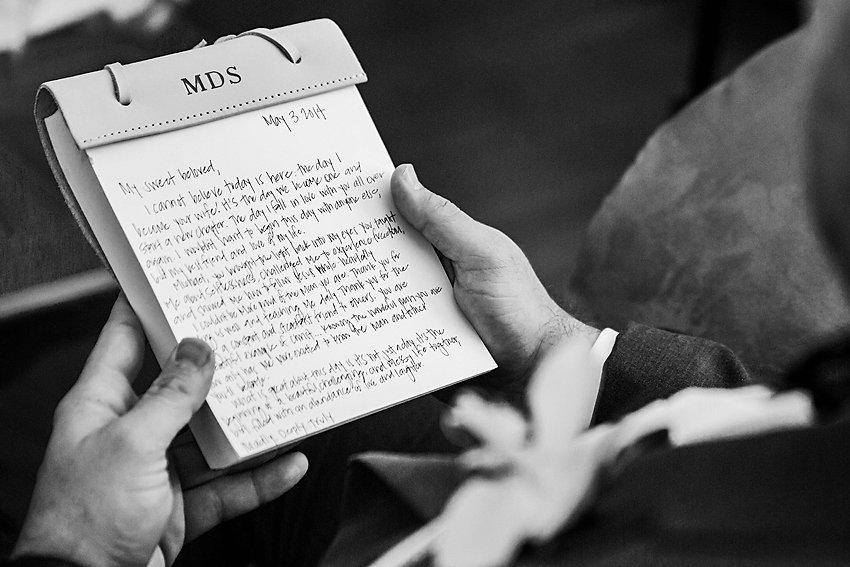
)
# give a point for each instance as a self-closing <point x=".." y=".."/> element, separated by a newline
<point x="494" y="285"/>
<point x="107" y="493"/>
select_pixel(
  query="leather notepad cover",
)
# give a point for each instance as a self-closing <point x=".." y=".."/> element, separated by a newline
<point x="252" y="71"/>
<point x="185" y="89"/>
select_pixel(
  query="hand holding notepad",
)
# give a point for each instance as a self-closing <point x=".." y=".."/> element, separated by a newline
<point x="269" y="232"/>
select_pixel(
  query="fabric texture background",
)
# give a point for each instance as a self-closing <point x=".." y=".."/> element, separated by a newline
<point x="708" y="232"/>
<point x="39" y="239"/>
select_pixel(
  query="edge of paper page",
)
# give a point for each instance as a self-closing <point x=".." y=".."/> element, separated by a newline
<point x="124" y="262"/>
<point x="110" y="236"/>
<point x="224" y="460"/>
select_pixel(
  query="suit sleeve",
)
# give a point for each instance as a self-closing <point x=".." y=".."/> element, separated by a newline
<point x="647" y="364"/>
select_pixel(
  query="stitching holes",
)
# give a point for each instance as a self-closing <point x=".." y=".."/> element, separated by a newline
<point x="253" y="101"/>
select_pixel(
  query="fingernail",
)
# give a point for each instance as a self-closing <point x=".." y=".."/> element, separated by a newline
<point x="410" y="177"/>
<point x="299" y="465"/>
<point x="192" y="351"/>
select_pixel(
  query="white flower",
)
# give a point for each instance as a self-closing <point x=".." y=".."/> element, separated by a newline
<point x="536" y="477"/>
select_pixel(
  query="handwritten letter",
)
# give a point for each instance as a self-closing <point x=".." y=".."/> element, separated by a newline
<point x="272" y="236"/>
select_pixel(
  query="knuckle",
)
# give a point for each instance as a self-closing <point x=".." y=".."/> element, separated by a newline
<point x="442" y="205"/>
<point x="505" y="252"/>
<point x="174" y="396"/>
<point x="176" y="384"/>
<point x="449" y="210"/>
<point x="442" y="211"/>
<point x="123" y="439"/>
<point x="218" y="507"/>
<point x="64" y="409"/>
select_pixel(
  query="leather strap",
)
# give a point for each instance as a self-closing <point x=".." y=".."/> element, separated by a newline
<point x="200" y="85"/>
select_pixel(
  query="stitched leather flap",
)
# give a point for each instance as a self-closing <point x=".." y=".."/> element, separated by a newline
<point x="200" y="85"/>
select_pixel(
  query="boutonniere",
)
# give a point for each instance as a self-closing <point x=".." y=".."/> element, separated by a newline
<point x="533" y="477"/>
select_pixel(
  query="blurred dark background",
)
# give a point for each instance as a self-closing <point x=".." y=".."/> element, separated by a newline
<point x="523" y="113"/>
<point x="526" y="113"/>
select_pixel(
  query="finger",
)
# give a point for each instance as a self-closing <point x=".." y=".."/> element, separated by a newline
<point x="104" y="384"/>
<point x="229" y="496"/>
<point x="193" y="470"/>
<point x="451" y="231"/>
<point x="175" y="395"/>
<point x="174" y="535"/>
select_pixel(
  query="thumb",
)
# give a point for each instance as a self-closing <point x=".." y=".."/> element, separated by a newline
<point x="176" y="394"/>
<point x="451" y="231"/>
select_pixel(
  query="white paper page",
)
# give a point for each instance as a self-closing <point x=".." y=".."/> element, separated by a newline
<point x="272" y="236"/>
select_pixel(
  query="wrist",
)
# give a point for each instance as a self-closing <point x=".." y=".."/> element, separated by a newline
<point x="559" y="327"/>
<point x="563" y="327"/>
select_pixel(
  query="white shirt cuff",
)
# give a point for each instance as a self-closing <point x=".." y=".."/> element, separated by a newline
<point x="599" y="353"/>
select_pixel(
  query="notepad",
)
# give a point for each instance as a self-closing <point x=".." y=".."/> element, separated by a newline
<point x="271" y="234"/>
